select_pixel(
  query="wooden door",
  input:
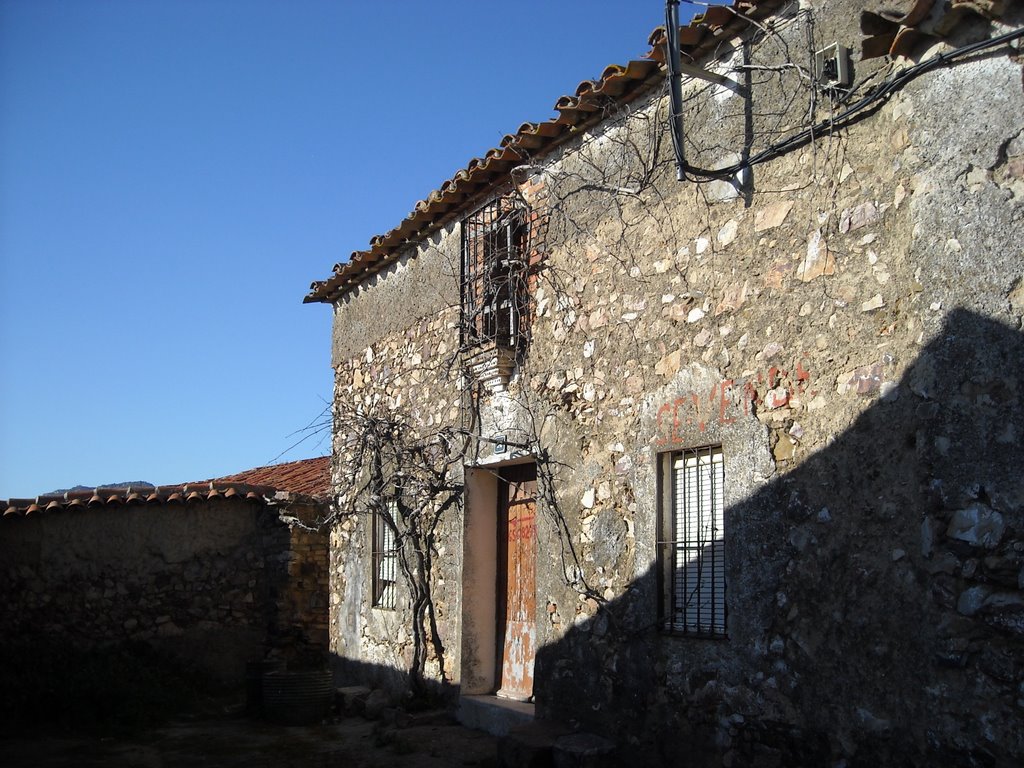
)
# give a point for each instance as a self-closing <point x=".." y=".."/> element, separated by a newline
<point x="517" y="584"/>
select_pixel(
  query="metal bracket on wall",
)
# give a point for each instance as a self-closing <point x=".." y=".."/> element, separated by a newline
<point x="711" y="77"/>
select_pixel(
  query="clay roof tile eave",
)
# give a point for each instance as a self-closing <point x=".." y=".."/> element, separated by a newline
<point x="617" y="83"/>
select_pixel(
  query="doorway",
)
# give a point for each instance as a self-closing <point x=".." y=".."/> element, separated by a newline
<point x="516" y="583"/>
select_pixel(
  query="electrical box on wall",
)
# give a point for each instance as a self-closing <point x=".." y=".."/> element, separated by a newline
<point x="832" y="68"/>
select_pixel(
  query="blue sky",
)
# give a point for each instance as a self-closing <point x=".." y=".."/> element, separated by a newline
<point x="174" y="174"/>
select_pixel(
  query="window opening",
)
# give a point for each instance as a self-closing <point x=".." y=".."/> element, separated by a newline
<point x="494" y="256"/>
<point x="692" y="550"/>
<point x="385" y="558"/>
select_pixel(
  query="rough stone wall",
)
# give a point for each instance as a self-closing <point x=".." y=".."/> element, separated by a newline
<point x="406" y="373"/>
<point x="847" y="326"/>
<point x="203" y="582"/>
<point x="420" y="284"/>
<point x="302" y="610"/>
<point x="399" y="358"/>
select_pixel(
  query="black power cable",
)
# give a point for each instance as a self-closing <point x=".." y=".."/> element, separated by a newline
<point x="675" y="92"/>
<point x="853" y="113"/>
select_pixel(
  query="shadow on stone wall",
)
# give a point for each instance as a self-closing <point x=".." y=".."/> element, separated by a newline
<point x="115" y="618"/>
<point x="876" y="612"/>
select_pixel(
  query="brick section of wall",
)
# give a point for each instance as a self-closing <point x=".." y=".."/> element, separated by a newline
<point x="302" y="605"/>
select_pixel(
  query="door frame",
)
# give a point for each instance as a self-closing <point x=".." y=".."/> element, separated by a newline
<point x="478" y="650"/>
<point x="519" y="473"/>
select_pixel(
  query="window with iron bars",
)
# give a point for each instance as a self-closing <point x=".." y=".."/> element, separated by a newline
<point x="385" y="558"/>
<point x="494" y="260"/>
<point x="691" y="549"/>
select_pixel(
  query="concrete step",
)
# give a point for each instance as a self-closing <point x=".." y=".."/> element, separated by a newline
<point x="543" y="744"/>
<point x="492" y="714"/>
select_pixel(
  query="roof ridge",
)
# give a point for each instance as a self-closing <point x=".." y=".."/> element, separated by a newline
<point x="312" y="480"/>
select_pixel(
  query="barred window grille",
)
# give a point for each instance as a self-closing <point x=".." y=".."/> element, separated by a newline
<point x="494" y="254"/>
<point x="385" y="558"/>
<point x="692" y="552"/>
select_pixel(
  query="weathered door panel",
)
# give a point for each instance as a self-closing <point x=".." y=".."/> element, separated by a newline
<point x="517" y="585"/>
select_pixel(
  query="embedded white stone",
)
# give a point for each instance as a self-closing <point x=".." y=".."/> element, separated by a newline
<point x="977" y="525"/>
<point x="727" y="234"/>
<point x="875" y="302"/>
<point x="971" y="600"/>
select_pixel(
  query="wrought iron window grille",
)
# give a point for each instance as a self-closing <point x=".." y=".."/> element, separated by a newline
<point x="691" y="545"/>
<point x="495" y="251"/>
<point x="384" y="558"/>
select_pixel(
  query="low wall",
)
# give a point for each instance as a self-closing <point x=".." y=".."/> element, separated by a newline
<point x="210" y="584"/>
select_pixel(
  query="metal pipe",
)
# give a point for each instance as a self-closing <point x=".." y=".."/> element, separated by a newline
<point x="675" y="75"/>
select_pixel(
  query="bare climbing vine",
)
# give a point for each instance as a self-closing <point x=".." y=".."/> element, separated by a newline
<point x="407" y="479"/>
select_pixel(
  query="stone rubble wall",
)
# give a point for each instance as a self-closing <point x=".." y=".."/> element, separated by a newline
<point x="302" y="604"/>
<point x="210" y="584"/>
<point x="408" y="373"/>
<point x="414" y="369"/>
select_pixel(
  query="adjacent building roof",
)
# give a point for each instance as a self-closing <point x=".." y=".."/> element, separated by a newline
<point x="618" y="84"/>
<point x="309" y="478"/>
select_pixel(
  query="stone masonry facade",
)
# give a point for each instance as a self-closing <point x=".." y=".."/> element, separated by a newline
<point x="844" y="322"/>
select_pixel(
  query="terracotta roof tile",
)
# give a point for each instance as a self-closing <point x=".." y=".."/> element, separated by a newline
<point x="617" y="84"/>
<point x="307" y="478"/>
<point x="898" y="27"/>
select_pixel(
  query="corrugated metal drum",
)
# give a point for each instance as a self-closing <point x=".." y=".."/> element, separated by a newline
<point x="297" y="697"/>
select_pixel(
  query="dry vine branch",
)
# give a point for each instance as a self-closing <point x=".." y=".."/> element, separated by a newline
<point x="406" y="478"/>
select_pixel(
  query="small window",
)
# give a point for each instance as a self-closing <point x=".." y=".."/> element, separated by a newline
<point x="494" y="260"/>
<point x="385" y="558"/>
<point x="691" y="553"/>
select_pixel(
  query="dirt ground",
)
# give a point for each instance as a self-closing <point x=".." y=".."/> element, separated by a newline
<point x="429" y="741"/>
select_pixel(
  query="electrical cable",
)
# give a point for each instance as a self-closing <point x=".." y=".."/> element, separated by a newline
<point x="845" y="118"/>
<point x="675" y="92"/>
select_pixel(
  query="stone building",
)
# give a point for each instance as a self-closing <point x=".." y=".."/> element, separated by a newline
<point x="212" y="574"/>
<point x="724" y="466"/>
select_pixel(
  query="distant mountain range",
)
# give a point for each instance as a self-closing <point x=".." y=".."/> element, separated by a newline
<point x="133" y="484"/>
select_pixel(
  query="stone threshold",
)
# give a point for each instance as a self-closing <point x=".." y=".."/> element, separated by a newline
<point x="492" y="714"/>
